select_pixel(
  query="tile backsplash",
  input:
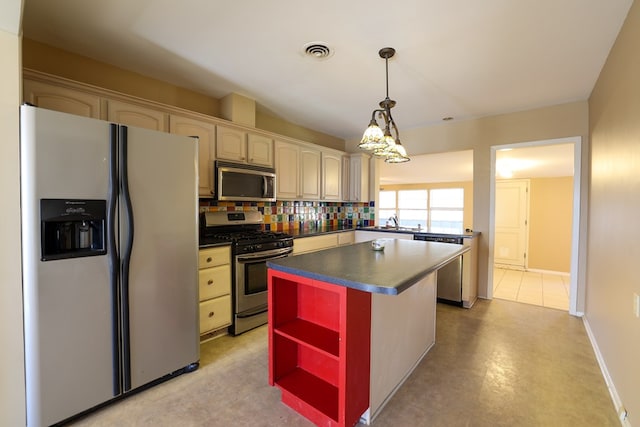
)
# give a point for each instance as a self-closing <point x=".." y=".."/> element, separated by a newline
<point x="291" y="215"/>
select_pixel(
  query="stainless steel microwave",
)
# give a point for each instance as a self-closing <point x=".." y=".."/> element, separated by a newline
<point x="236" y="181"/>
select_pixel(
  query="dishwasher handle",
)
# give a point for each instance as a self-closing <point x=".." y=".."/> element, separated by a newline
<point x="441" y="239"/>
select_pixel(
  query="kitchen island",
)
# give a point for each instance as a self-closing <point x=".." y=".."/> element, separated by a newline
<point x="348" y="325"/>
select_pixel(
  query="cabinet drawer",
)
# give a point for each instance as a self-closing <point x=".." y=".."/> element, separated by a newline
<point x="214" y="282"/>
<point x="215" y="313"/>
<point x="211" y="257"/>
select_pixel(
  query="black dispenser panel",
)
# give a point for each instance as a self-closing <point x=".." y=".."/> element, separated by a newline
<point x="72" y="228"/>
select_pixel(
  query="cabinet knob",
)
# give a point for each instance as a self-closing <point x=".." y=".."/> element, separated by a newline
<point x="211" y="313"/>
<point x="210" y="282"/>
<point x="209" y="259"/>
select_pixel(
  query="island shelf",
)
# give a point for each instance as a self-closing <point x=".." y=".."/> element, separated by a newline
<point x="315" y="356"/>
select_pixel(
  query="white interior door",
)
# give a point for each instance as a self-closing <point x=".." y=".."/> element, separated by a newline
<point x="511" y="223"/>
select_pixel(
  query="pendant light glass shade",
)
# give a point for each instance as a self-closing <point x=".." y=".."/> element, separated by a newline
<point x="397" y="154"/>
<point x="379" y="143"/>
<point x="373" y="137"/>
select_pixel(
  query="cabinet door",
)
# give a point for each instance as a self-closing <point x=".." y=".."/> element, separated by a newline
<point x="287" y="158"/>
<point x="206" y="133"/>
<point x="359" y="178"/>
<point x="310" y="173"/>
<point x="260" y="150"/>
<point x="346" y="238"/>
<point x="134" y="115"/>
<point x="346" y="165"/>
<point x="61" y="99"/>
<point x="231" y="144"/>
<point x="331" y="176"/>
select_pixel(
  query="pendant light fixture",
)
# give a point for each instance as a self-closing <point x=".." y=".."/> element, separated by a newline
<point x="382" y="143"/>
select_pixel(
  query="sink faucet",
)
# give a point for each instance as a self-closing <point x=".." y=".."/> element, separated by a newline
<point x="394" y="218"/>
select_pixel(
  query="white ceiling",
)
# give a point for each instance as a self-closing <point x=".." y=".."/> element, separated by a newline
<point x="458" y="58"/>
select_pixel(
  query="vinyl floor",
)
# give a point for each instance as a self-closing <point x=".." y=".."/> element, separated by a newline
<point x="500" y="363"/>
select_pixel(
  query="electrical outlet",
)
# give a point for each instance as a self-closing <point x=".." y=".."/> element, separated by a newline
<point x="636" y="305"/>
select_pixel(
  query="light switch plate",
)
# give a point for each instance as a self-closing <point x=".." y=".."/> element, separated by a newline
<point x="636" y="305"/>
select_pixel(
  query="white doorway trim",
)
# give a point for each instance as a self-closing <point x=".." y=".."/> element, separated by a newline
<point x="576" y="289"/>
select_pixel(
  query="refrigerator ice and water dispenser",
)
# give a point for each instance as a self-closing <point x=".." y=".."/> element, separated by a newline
<point x="72" y="228"/>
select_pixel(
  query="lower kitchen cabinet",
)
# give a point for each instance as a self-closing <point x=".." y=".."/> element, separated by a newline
<point x="214" y="278"/>
<point x="346" y="238"/>
<point x="315" y="243"/>
<point x="319" y="336"/>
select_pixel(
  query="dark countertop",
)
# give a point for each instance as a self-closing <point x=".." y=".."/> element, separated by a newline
<point x="210" y="242"/>
<point x="357" y="266"/>
<point x="430" y="232"/>
<point x="308" y="232"/>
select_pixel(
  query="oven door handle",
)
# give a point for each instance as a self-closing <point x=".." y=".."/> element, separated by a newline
<point x="264" y="256"/>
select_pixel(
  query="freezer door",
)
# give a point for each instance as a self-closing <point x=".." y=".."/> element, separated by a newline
<point x="163" y="271"/>
<point x="68" y="301"/>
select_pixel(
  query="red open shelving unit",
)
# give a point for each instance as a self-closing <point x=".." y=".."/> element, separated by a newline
<point x="319" y="348"/>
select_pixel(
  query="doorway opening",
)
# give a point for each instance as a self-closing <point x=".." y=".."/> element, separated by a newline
<point x="534" y="223"/>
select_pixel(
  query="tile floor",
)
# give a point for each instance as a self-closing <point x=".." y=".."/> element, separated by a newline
<point x="543" y="289"/>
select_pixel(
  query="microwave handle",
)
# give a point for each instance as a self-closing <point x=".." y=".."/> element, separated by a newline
<point x="265" y="186"/>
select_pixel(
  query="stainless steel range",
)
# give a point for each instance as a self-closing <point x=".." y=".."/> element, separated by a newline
<point x="251" y="248"/>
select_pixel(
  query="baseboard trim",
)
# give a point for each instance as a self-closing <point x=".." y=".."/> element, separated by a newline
<point x="617" y="402"/>
<point x="557" y="273"/>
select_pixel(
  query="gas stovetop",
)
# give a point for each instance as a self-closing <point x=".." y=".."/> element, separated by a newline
<point x="243" y="230"/>
<point x="240" y="237"/>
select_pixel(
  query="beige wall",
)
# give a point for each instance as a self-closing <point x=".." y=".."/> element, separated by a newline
<point x="48" y="59"/>
<point x="468" y="196"/>
<point x="58" y="62"/>
<point x="614" y="233"/>
<point x="277" y="125"/>
<point x="560" y="121"/>
<point x="12" y="407"/>
<point x="550" y="215"/>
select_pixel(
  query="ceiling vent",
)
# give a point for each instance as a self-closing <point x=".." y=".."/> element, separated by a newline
<point x="317" y="50"/>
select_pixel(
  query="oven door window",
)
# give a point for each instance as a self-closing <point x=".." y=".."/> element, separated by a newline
<point x="255" y="278"/>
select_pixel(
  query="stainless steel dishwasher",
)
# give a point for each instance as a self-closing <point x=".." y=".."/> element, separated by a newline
<point x="449" y="280"/>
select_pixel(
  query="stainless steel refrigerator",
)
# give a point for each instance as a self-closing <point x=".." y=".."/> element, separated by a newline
<point x="110" y="253"/>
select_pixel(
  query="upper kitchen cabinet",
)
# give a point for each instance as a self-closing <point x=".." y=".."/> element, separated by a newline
<point x="259" y="150"/>
<point x="231" y="144"/>
<point x="287" y="158"/>
<point x="345" y="177"/>
<point x="298" y="171"/>
<point x="358" y="178"/>
<point x="61" y="99"/>
<point x="310" y="161"/>
<point x="135" y="115"/>
<point x="331" y="176"/>
<point x="244" y="147"/>
<point x="206" y="133"/>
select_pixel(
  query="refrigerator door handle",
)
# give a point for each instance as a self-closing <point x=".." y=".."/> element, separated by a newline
<point x="112" y="251"/>
<point x="125" y="200"/>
